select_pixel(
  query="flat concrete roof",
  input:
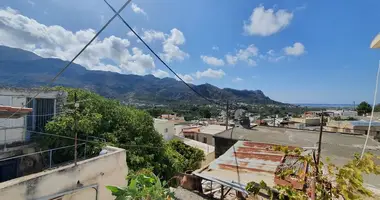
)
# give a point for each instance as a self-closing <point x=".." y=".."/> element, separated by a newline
<point x="199" y="145"/>
<point x="31" y="92"/>
<point x="212" y="129"/>
<point x="340" y="148"/>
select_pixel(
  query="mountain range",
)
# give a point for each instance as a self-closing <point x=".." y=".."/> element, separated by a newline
<point x="20" y="68"/>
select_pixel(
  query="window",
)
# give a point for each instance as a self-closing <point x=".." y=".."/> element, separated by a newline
<point x="166" y="130"/>
<point x="43" y="112"/>
<point x="205" y="140"/>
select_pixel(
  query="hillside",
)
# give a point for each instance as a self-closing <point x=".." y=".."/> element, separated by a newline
<point x="19" y="68"/>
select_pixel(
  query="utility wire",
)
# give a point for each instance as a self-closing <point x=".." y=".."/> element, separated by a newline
<point x="158" y="57"/>
<point x="236" y="161"/>
<point x="373" y="109"/>
<point x="39" y="152"/>
<point x="92" y="141"/>
<point x="72" y="60"/>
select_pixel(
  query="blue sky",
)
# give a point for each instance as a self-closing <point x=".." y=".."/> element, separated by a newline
<point x="294" y="51"/>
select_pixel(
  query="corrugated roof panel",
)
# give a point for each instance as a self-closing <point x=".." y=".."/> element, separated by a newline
<point x="13" y="112"/>
<point x="255" y="161"/>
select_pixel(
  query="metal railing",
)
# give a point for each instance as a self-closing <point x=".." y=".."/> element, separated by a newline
<point x="49" y="151"/>
<point x="39" y="161"/>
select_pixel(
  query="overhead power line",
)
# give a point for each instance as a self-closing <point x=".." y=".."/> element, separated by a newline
<point x="72" y="60"/>
<point x="101" y="140"/>
<point x="158" y="57"/>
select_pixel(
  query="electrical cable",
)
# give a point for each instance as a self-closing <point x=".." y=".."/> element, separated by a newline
<point x="158" y="57"/>
<point x="373" y="109"/>
<point x="92" y="141"/>
<point x="72" y="60"/>
<point x="236" y="162"/>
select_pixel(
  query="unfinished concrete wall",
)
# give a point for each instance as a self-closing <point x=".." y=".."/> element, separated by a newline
<point x="14" y="130"/>
<point x="108" y="169"/>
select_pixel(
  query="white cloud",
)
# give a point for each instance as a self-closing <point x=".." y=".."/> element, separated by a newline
<point x="151" y="35"/>
<point x="110" y="68"/>
<point x="130" y="34"/>
<point x="267" y="22"/>
<point x="210" y="73"/>
<point x="272" y="56"/>
<point x="138" y="10"/>
<point x="296" y="50"/>
<point x="170" y="43"/>
<point x="303" y="7"/>
<point x="276" y="59"/>
<point x="215" y="48"/>
<point x="31" y="2"/>
<point x="55" y="41"/>
<point x="245" y="55"/>
<point x="160" y="73"/>
<point x="187" y="78"/>
<point x="212" y="60"/>
<point x="231" y="59"/>
<point x="171" y="51"/>
<point x="271" y="52"/>
<point x="102" y="20"/>
<point x="237" y="79"/>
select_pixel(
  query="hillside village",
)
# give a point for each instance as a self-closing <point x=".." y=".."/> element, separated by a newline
<point x="238" y="142"/>
<point x="101" y="104"/>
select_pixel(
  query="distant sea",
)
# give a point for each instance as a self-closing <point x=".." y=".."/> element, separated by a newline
<point x="312" y="105"/>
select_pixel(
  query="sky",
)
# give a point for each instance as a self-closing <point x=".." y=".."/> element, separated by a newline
<point x="295" y="51"/>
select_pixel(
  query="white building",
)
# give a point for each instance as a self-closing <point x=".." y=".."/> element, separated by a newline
<point x="342" y="113"/>
<point x="203" y="134"/>
<point x="165" y="128"/>
<point x="44" y="106"/>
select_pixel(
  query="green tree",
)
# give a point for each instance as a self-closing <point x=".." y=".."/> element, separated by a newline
<point x="156" y="112"/>
<point x="121" y="126"/>
<point x="142" y="186"/>
<point x="193" y="157"/>
<point x="205" y="113"/>
<point x="335" y="182"/>
<point x="377" y="108"/>
<point x="363" y="108"/>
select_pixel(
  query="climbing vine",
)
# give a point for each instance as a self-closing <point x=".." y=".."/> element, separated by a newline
<point x="330" y="181"/>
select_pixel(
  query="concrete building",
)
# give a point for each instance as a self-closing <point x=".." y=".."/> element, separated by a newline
<point x="312" y="114"/>
<point x="307" y="121"/>
<point x="10" y="168"/>
<point x="87" y="180"/>
<point x="165" y="128"/>
<point x="203" y="133"/>
<point x="7" y="134"/>
<point x="357" y="127"/>
<point x="342" y="113"/>
<point x="45" y="106"/>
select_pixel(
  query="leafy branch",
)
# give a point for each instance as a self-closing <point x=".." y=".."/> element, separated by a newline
<point x="331" y="181"/>
<point x="143" y="185"/>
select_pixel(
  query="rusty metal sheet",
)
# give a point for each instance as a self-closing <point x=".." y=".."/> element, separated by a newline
<point x="255" y="162"/>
